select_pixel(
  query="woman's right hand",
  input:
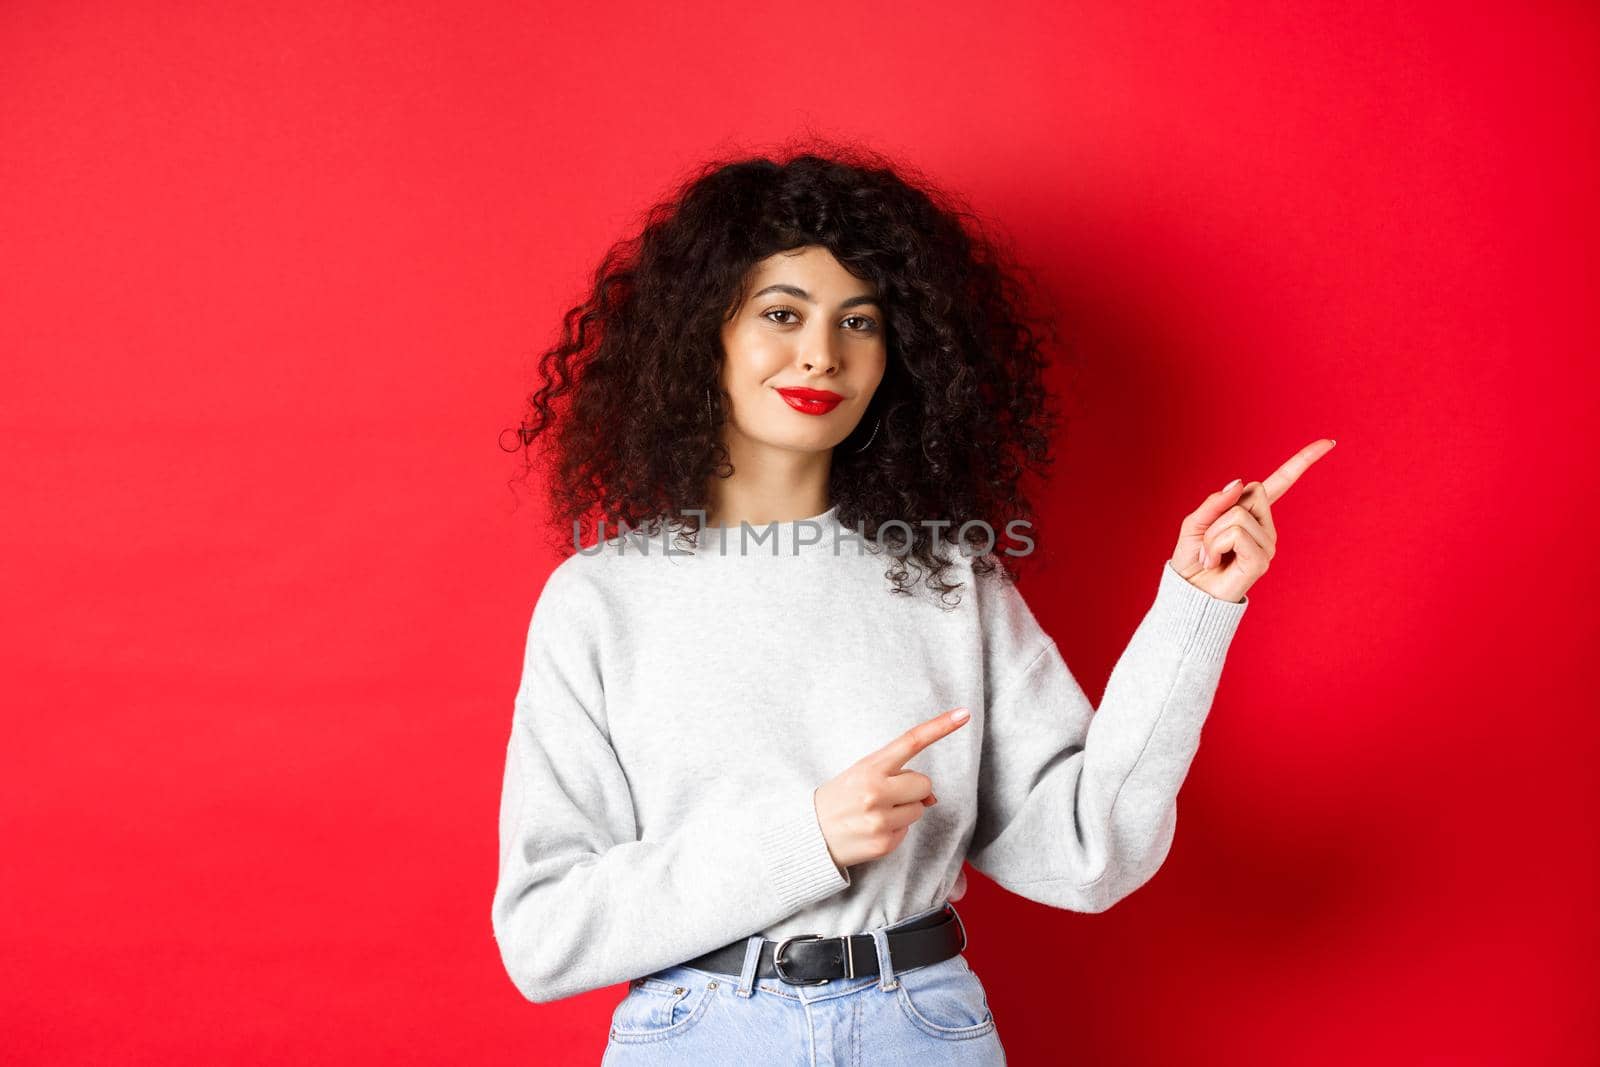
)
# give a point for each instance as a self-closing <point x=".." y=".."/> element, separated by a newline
<point x="866" y="811"/>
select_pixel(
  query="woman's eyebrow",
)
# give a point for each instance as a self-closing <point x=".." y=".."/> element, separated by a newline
<point x="801" y="294"/>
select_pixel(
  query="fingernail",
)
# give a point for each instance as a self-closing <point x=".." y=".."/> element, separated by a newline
<point x="1231" y="484"/>
<point x="960" y="714"/>
<point x="932" y="800"/>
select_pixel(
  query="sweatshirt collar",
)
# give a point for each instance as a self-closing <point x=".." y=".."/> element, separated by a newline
<point x="772" y="540"/>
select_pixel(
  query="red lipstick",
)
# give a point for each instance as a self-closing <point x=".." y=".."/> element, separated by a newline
<point x="811" y="401"/>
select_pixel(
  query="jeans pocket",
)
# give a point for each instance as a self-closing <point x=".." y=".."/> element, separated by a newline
<point x="656" y="1010"/>
<point x="946" y="1000"/>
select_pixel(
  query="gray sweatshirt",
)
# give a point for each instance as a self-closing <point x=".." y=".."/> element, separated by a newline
<point x="679" y="706"/>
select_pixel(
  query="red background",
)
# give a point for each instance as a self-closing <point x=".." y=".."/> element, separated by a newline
<point x="272" y="278"/>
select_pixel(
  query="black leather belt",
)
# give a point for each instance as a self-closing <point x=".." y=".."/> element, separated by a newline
<point x="808" y="959"/>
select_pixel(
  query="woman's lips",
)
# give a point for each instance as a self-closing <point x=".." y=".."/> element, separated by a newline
<point x="811" y="401"/>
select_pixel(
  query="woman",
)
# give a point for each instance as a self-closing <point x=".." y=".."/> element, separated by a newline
<point x="762" y="723"/>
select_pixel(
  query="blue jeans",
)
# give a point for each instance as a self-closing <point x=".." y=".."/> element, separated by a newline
<point x="934" y="1014"/>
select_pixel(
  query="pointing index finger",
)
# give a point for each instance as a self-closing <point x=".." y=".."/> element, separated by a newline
<point x="893" y="756"/>
<point x="1279" y="481"/>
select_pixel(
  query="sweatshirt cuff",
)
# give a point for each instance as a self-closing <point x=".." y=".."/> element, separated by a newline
<point x="1188" y="616"/>
<point x="799" y="866"/>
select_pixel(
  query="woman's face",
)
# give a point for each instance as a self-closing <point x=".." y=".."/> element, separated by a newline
<point x="808" y="324"/>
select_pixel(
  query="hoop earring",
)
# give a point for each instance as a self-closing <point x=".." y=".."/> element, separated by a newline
<point x="875" y="424"/>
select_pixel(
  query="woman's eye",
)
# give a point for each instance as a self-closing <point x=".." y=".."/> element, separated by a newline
<point x="867" y="324"/>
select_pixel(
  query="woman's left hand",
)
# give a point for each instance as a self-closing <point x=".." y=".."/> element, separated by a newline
<point x="1228" y="542"/>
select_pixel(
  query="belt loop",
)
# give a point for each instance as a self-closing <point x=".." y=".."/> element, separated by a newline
<point x="752" y="959"/>
<point x="886" y="978"/>
<point x="963" y="926"/>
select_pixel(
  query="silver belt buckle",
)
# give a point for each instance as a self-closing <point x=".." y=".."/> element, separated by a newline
<point x="777" y="959"/>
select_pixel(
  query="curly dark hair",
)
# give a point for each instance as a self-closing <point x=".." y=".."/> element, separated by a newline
<point x="965" y="417"/>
